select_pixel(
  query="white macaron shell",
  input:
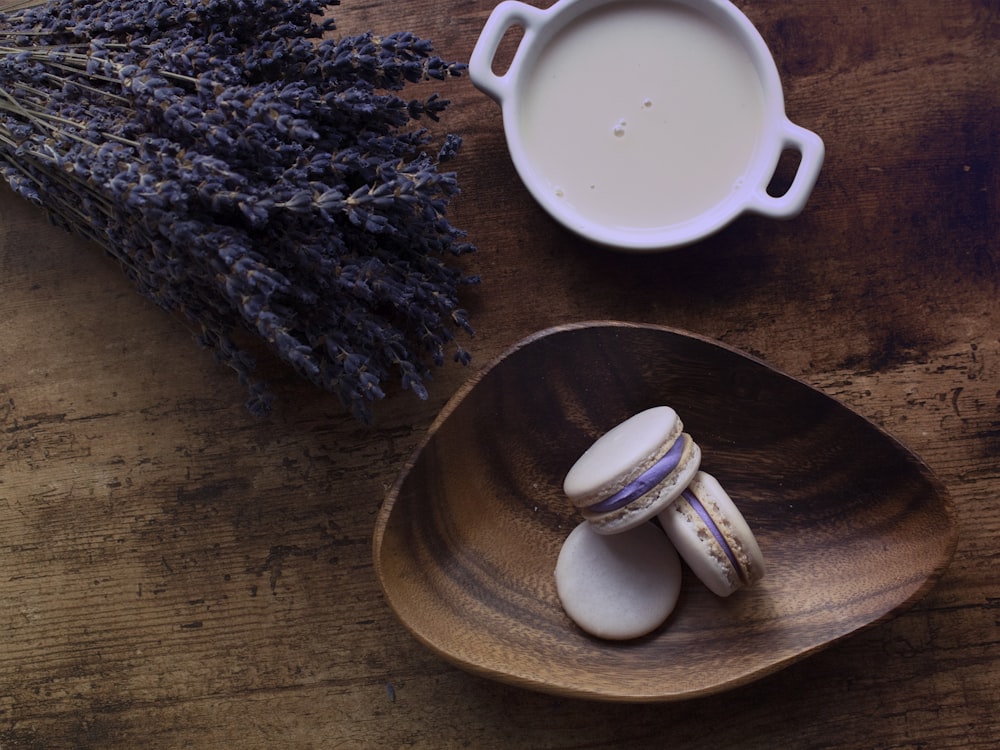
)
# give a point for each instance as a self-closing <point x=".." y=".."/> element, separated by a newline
<point x="698" y="546"/>
<point x="620" y="450"/>
<point x="618" y="587"/>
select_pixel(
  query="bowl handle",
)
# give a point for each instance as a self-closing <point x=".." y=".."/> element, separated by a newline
<point x="810" y="147"/>
<point x="507" y="14"/>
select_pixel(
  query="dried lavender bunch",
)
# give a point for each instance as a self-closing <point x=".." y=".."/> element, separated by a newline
<point x="249" y="171"/>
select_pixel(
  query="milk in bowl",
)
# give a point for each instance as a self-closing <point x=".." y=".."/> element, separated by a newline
<point x="641" y="115"/>
<point x="644" y="124"/>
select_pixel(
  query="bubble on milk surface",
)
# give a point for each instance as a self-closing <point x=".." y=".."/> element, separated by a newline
<point x="619" y="128"/>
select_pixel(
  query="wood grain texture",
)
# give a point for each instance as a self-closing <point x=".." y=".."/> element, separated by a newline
<point x="177" y="574"/>
<point x="852" y="525"/>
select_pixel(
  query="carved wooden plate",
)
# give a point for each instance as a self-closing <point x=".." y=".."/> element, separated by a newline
<point x="853" y="526"/>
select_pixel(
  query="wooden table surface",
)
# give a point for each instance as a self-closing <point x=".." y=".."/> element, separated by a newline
<point x="177" y="573"/>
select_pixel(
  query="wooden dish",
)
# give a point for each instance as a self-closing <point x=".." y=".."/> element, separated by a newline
<point x="853" y="526"/>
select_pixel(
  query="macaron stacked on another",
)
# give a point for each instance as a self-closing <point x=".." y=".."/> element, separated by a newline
<point x="634" y="471"/>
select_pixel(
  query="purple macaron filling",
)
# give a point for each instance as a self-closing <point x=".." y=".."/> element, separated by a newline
<point x="644" y="482"/>
<point x="707" y="518"/>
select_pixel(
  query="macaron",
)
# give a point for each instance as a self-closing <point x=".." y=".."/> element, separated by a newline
<point x="712" y="536"/>
<point x="618" y="586"/>
<point x="634" y="471"/>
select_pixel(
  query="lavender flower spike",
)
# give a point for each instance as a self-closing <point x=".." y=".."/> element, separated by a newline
<point x="249" y="171"/>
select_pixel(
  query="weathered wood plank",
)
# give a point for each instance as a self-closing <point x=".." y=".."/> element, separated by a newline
<point x="179" y="574"/>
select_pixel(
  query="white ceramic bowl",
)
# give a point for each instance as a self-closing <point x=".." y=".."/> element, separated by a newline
<point x="644" y="124"/>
